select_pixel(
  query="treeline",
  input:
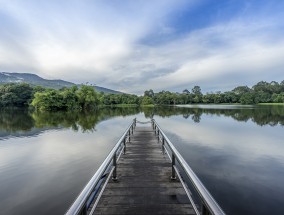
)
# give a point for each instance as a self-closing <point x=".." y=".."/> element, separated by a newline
<point x="67" y="99"/>
<point x="19" y="95"/>
<point x="86" y="98"/>
<point x="262" y="92"/>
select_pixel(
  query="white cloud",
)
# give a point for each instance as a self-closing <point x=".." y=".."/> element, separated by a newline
<point x="76" y="39"/>
<point x="100" y="42"/>
<point x="211" y="56"/>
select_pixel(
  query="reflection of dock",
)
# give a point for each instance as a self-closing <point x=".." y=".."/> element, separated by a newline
<point x="138" y="177"/>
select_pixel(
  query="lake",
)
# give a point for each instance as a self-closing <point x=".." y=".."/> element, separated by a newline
<point x="237" y="151"/>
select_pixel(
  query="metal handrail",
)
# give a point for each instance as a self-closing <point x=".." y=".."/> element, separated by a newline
<point x="80" y="204"/>
<point x="209" y="203"/>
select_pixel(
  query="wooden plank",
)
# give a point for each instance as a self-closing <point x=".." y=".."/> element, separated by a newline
<point x="144" y="185"/>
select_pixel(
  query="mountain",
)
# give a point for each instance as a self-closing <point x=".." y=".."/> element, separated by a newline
<point x="35" y="80"/>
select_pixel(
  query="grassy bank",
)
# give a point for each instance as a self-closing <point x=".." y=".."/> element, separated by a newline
<point x="120" y="105"/>
<point x="270" y="104"/>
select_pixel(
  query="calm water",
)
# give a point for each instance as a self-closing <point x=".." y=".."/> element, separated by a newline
<point x="237" y="152"/>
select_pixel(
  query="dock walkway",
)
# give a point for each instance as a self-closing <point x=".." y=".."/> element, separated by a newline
<point x="144" y="184"/>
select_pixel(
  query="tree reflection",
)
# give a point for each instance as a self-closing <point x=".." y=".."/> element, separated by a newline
<point x="261" y="115"/>
<point x="85" y="121"/>
<point x="15" y="119"/>
<point x="23" y="120"/>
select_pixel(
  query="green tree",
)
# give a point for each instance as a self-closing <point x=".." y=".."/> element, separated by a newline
<point x="15" y="94"/>
<point x="70" y="98"/>
<point x="241" y="90"/>
<point x="278" y="98"/>
<point x="147" y="100"/>
<point x="247" y="98"/>
<point x="185" y="91"/>
<point x="87" y="97"/>
<point x="48" y="100"/>
<point x="196" y="90"/>
<point x="149" y="93"/>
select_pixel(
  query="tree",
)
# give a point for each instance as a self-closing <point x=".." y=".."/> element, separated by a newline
<point x="87" y="97"/>
<point x="262" y="97"/>
<point x="278" y="98"/>
<point x="247" y="98"/>
<point x="70" y="98"/>
<point x="149" y="93"/>
<point x="147" y="100"/>
<point x="48" y="100"/>
<point x="241" y="90"/>
<point x="261" y="86"/>
<point x="230" y="97"/>
<point x="185" y="91"/>
<point x="15" y="94"/>
<point x="196" y="90"/>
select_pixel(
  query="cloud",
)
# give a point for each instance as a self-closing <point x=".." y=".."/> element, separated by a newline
<point x="225" y="55"/>
<point x="133" y="46"/>
<point x="75" y="38"/>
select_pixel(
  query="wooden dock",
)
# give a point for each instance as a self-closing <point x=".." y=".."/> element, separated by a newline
<point x="144" y="184"/>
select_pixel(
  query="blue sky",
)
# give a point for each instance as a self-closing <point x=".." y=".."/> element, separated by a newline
<point x="137" y="45"/>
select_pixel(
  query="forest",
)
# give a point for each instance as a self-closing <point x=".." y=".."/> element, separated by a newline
<point x="86" y="98"/>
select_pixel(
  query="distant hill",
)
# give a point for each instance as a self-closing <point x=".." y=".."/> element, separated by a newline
<point x="35" y="80"/>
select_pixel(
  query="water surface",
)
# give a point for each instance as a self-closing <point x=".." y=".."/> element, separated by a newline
<point x="236" y="151"/>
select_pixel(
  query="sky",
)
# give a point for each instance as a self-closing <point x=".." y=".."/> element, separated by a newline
<point x="133" y="46"/>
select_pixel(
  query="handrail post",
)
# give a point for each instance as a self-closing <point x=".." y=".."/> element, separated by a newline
<point x="114" y="177"/>
<point x="84" y="212"/>
<point x="204" y="209"/>
<point x="129" y="133"/>
<point x="173" y="177"/>
<point x="124" y="143"/>
<point x="163" y="144"/>
<point x="158" y="135"/>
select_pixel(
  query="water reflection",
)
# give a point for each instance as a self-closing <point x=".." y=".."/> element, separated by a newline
<point x="261" y="115"/>
<point x="15" y="119"/>
<point x="23" y="120"/>
<point x="20" y="122"/>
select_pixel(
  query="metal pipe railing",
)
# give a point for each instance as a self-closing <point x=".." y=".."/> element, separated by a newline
<point x="210" y="206"/>
<point x="80" y="204"/>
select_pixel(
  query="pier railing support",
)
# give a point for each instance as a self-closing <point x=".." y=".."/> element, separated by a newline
<point x="163" y="145"/>
<point x="129" y="133"/>
<point x="124" y="144"/>
<point x="114" y="177"/>
<point x="173" y="177"/>
<point x="204" y="209"/>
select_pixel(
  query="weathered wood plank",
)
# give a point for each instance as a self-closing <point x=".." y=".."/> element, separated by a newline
<point x="144" y="185"/>
<point x="162" y="209"/>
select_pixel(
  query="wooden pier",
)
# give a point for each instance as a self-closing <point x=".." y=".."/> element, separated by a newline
<point x="144" y="184"/>
<point x="142" y="175"/>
